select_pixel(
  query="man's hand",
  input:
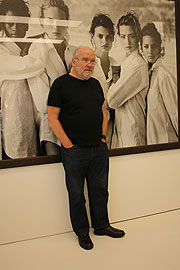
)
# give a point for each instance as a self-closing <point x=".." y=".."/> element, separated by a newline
<point x="68" y="145"/>
<point x="53" y="120"/>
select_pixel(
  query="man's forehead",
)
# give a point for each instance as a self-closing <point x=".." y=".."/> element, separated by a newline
<point x="86" y="52"/>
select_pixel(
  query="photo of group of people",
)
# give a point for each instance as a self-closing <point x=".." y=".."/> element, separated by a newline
<point x="135" y="65"/>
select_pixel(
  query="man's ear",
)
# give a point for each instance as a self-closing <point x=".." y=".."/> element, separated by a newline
<point x="73" y="62"/>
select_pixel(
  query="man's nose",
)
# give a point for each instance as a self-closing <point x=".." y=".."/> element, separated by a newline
<point x="89" y="63"/>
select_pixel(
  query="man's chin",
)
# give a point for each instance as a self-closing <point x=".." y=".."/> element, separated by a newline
<point x="87" y="75"/>
<point x="85" y="78"/>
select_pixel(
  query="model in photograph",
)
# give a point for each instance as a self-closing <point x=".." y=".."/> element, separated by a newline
<point x="128" y="95"/>
<point x="106" y="69"/>
<point x="60" y="53"/>
<point x="162" y="105"/>
<point x="18" y="125"/>
<point x="57" y="61"/>
<point x="44" y="62"/>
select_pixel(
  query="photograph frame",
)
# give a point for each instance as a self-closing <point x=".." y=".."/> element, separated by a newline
<point x="40" y="160"/>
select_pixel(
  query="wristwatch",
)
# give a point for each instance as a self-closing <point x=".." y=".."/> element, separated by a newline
<point x="103" y="136"/>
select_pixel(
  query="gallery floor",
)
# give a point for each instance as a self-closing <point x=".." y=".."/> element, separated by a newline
<point x="151" y="243"/>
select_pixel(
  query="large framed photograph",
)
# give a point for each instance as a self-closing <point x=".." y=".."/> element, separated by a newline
<point x="137" y="62"/>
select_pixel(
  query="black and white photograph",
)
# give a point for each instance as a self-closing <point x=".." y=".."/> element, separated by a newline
<point x="136" y="65"/>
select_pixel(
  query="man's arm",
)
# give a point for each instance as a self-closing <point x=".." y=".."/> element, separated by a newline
<point x="53" y="114"/>
<point x="104" y="123"/>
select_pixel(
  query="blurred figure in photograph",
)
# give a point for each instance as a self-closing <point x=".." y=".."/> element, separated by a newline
<point x="18" y="126"/>
<point x="162" y="104"/>
<point x="58" y="60"/>
<point x="60" y="53"/>
<point x="42" y="65"/>
<point x="128" y="95"/>
<point x="106" y="69"/>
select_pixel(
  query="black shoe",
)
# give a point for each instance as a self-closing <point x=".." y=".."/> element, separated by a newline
<point x="85" y="242"/>
<point x="110" y="231"/>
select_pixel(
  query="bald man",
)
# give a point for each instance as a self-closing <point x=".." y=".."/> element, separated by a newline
<point x="77" y="116"/>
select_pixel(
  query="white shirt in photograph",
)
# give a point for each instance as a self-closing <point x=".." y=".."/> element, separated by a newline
<point x="128" y="97"/>
<point x="162" y="106"/>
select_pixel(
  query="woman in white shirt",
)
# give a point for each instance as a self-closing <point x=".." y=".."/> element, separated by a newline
<point x="162" y="104"/>
<point x="106" y="69"/>
<point x="41" y="66"/>
<point x="58" y="62"/>
<point x="127" y="96"/>
<point x="18" y="125"/>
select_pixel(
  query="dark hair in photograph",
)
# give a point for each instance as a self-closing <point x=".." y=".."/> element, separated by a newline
<point x="104" y="21"/>
<point x="54" y="3"/>
<point x="19" y="7"/>
<point x="132" y="20"/>
<point x="151" y="30"/>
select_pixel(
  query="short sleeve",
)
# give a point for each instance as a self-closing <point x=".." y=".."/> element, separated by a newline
<point x="100" y="90"/>
<point x="55" y="94"/>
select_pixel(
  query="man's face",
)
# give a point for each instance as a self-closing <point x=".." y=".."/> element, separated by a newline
<point x="15" y="30"/>
<point x="128" y="38"/>
<point x="53" y="30"/>
<point x="83" y="65"/>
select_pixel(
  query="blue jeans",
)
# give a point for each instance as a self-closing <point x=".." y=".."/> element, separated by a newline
<point x="92" y="164"/>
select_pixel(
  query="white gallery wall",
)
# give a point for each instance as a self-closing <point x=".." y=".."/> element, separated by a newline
<point x="34" y="201"/>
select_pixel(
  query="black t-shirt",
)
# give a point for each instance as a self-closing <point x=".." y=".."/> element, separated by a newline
<point x="81" y="103"/>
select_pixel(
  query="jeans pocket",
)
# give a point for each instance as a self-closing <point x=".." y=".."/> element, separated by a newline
<point x="74" y="147"/>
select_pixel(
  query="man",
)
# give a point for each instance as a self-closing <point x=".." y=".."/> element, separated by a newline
<point x="77" y="116"/>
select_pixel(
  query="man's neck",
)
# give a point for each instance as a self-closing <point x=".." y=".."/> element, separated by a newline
<point x="75" y="75"/>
